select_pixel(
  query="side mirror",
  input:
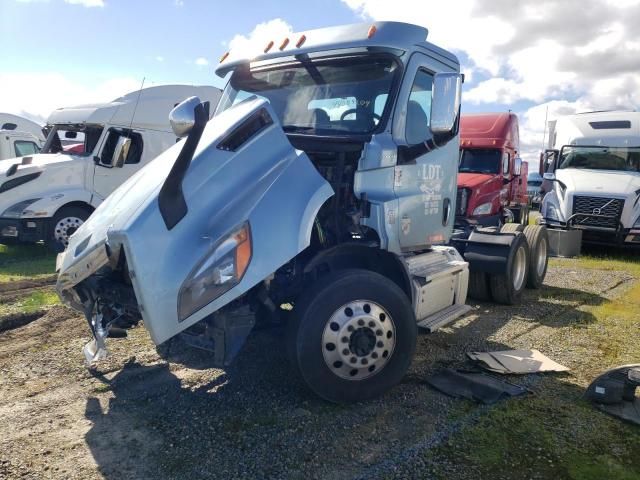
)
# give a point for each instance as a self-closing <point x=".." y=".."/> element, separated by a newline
<point x="549" y="176"/>
<point x="182" y="117"/>
<point x="517" y="166"/>
<point x="121" y="152"/>
<point x="445" y="103"/>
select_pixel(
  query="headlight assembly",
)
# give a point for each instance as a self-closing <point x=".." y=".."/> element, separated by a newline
<point x="15" y="211"/>
<point x="221" y="269"/>
<point x="484" y="209"/>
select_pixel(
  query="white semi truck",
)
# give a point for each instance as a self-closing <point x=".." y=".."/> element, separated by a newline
<point x="19" y="136"/>
<point x="592" y="176"/>
<point x="90" y="150"/>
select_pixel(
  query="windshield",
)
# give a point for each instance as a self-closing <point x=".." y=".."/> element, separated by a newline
<point x="626" y="159"/>
<point x="73" y="139"/>
<point x="340" y="95"/>
<point x="480" y="160"/>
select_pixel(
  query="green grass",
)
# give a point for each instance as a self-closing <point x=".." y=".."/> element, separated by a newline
<point x="31" y="303"/>
<point x="22" y="262"/>
<point x="556" y="433"/>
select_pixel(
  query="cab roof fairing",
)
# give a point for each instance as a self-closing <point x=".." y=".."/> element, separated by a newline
<point x="390" y="35"/>
<point x="143" y="109"/>
<point x="577" y="130"/>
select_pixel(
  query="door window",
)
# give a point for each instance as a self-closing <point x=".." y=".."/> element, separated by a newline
<point x="505" y="163"/>
<point x="419" y="108"/>
<point x="134" y="153"/>
<point x="24" y="147"/>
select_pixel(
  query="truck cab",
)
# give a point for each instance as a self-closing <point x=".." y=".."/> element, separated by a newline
<point x="18" y="144"/>
<point x="592" y="177"/>
<point x="492" y="179"/>
<point x="90" y="150"/>
<point x="324" y="186"/>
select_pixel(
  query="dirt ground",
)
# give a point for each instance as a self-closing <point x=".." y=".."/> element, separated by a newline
<point x="136" y="416"/>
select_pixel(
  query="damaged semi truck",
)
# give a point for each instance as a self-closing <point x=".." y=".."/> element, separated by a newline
<point x="325" y="183"/>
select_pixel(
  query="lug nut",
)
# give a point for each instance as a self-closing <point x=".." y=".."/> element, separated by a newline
<point x="346" y="351"/>
<point x="353" y="360"/>
<point x="379" y="344"/>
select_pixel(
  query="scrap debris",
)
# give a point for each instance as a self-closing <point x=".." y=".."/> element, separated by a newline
<point x="520" y="362"/>
<point x="614" y="392"/>
<point x="475" y="386"/>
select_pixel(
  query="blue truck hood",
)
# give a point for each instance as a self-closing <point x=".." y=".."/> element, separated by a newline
<point x="265" y="182"/>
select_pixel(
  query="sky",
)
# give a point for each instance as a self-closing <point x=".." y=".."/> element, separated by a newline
<point x="534" y="57"/>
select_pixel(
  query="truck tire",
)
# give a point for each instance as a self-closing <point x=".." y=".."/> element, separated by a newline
<point x="479" y="286"/>
<point x="64" y="223"/>
<point x="507" y="288"/>
<point x="352" y="336"/>
<point x="512" y="228"/>
<point x="538" y="241"/>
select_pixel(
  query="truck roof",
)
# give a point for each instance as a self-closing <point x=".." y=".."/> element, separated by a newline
<point x="22" y="124"/>
<point x="149" y="112"/>
<point x="612" y="128"/>
<point x="397" y="35"/>
<point x="489" y="130"/>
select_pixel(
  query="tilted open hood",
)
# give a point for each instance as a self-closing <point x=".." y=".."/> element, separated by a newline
<point x="262" y="181"/>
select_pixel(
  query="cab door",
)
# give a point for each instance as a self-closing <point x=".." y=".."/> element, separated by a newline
<point x="425" y="186"/>
<point x="119" y="158"/>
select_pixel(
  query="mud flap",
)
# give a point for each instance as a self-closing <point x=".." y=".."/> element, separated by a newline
<point x="486" y="252"/>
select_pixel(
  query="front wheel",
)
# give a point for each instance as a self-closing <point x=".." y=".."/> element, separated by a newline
<point x="64" y="224"/>
<point x="353" y="336"/>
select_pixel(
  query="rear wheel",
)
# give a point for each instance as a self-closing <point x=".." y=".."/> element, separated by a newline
<point x="64" y="224"/>
<point x="353" y="336"/>
<point x="512" y="228"/>
<point x="507" y="288"/>
<point x="479" y="286"/>
<point x="538" y="242"/>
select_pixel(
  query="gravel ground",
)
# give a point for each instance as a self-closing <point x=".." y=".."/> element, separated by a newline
<point x="137" y="416"/>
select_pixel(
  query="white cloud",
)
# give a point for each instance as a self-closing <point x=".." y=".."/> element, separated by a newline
<point x="542" y="51"/>
<point x="274" y="30"/>
<point x="159" y="58"/>
<point x="201" y="62"/>
<point x="36" y="95"/>
<point x="86" y="3"/>
<point x="178" y="3"/>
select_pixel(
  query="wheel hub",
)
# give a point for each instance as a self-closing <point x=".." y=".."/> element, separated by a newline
<point x="358" y="340"/>
<point x="65" y="228"/>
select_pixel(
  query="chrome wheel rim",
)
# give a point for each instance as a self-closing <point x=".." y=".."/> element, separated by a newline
<point x="542" y="257"/>
<point x="65" y="228"/>
<point x="519" y="268"/>
<point x="358" y="340"/>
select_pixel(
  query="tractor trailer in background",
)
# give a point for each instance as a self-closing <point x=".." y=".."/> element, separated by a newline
<point x="90" y="151"/>
<point x="19" y="136"/>
<point x="591" y="172"/>
<point x="492" y="179"/>
<point x="325" y="183"/>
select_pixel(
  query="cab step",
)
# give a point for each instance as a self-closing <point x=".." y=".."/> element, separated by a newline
<point x="443" y="317"/>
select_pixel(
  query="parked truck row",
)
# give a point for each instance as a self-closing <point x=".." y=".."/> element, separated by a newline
<point x="325" y="185"/>
<point x="90" y="150"/>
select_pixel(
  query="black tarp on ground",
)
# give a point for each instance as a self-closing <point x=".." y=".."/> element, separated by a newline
<point x="474" y="386"/>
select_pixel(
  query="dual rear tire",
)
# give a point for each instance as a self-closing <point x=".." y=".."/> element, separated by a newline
<point x="526" y="267"/>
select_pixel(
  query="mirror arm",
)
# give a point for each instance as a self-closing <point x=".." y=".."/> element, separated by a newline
<point x="173" y="206"/>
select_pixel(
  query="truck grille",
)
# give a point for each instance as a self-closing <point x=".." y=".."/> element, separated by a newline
<point x="611" y="207"/>
<point x="462" y="200"/>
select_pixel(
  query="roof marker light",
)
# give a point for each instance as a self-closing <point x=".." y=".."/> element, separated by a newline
<point x="284" y="43"/>
<point x="301" y="40"/>
<point x="224" y="57"/>
<point x="268" y="47"/>
<point x="372" y="31"/>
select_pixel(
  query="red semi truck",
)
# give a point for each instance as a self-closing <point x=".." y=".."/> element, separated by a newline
<point x="492" y="179"/>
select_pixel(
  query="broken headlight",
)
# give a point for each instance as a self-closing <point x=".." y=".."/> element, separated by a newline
<point x="221" y="269"/>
